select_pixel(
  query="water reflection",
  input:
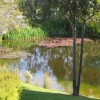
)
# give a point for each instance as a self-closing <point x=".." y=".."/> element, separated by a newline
<point x="52" y="68"/>
<point x="42" y="67"/>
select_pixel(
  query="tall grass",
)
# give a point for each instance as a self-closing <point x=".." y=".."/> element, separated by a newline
<point x="24" y="33"/>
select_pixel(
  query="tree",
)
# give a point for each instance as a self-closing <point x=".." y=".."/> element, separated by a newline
<point x="74" y="47"/>
<point x="81" y="11"/>
<point x="78" y="11"/>
<point x="73" y="10"/>
<point x="88" y="10"/>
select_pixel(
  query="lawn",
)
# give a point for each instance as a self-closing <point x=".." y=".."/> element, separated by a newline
<point x="35" y="93"/>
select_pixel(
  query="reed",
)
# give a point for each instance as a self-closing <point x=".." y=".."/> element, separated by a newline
<point x="24" y="33"/>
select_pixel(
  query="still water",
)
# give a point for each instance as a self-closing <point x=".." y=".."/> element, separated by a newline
<point x="52" y="68"/>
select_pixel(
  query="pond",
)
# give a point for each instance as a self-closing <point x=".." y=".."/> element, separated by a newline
<point x="52" y="67"/>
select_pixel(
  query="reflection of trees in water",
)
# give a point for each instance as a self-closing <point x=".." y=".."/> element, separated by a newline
<point x="49" y="65"/>
<point x="91" y="63"/>
<point x="28" y="76"/>
<point x="57" y="63"/>
<point x="91" y="76"/>
<point x="47" y="80"/>
<point x="18" y="44"/>
<point x="60" y="63"/>
<point x="92" y="55"/>
<point x="10" y="64"/>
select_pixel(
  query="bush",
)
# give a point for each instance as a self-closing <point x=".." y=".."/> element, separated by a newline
<point x="24" y="33"/>
<point x="57" y="27"/>
<point x="10" y="86"/>
<point x="93" y="30"/>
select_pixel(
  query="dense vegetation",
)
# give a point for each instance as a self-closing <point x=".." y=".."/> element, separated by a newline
<point x="50" y="18"/>
<point x="10" y="86"/>
<point x="24" y="33"/>
<point x="42" y="18"/>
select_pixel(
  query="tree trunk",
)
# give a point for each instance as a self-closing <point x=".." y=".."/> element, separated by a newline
<point x="74" y="60"/>
<point x="81" y="58"/>
<point x="74" y="48"/>
<point x="49" y="11"/>
<point x="35" y="12"/>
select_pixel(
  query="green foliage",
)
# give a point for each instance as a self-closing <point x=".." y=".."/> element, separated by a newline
<point x="10" y="15"/>
<point x="96" y="27"/>
<point x="24" y="33"/>
<point x="93" y="28"/>
<point x="52" y="15"/>
<point x="93" y="31"/>
<point x="57" y="27"/>
<point x="10" y="86"/>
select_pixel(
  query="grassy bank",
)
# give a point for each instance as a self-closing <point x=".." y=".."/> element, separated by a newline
<point x="35" y="93"/>
<point x="12" y="89"/>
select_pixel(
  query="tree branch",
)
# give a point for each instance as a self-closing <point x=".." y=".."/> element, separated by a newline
<point x="89" y="17"/>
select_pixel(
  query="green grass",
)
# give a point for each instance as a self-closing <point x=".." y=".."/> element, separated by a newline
<point x="24" y="33"/>
<point x="39" y="89"/>
<point x="35" y="93"/>
<point x="86" y="89"/>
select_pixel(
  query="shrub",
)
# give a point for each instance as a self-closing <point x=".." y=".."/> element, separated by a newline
<point x="93" y="30"/>
<point x="57" y="27"/>
<point x="10" y="86"/>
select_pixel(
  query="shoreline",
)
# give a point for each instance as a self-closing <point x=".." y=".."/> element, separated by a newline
<point x="61" y="42"/>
